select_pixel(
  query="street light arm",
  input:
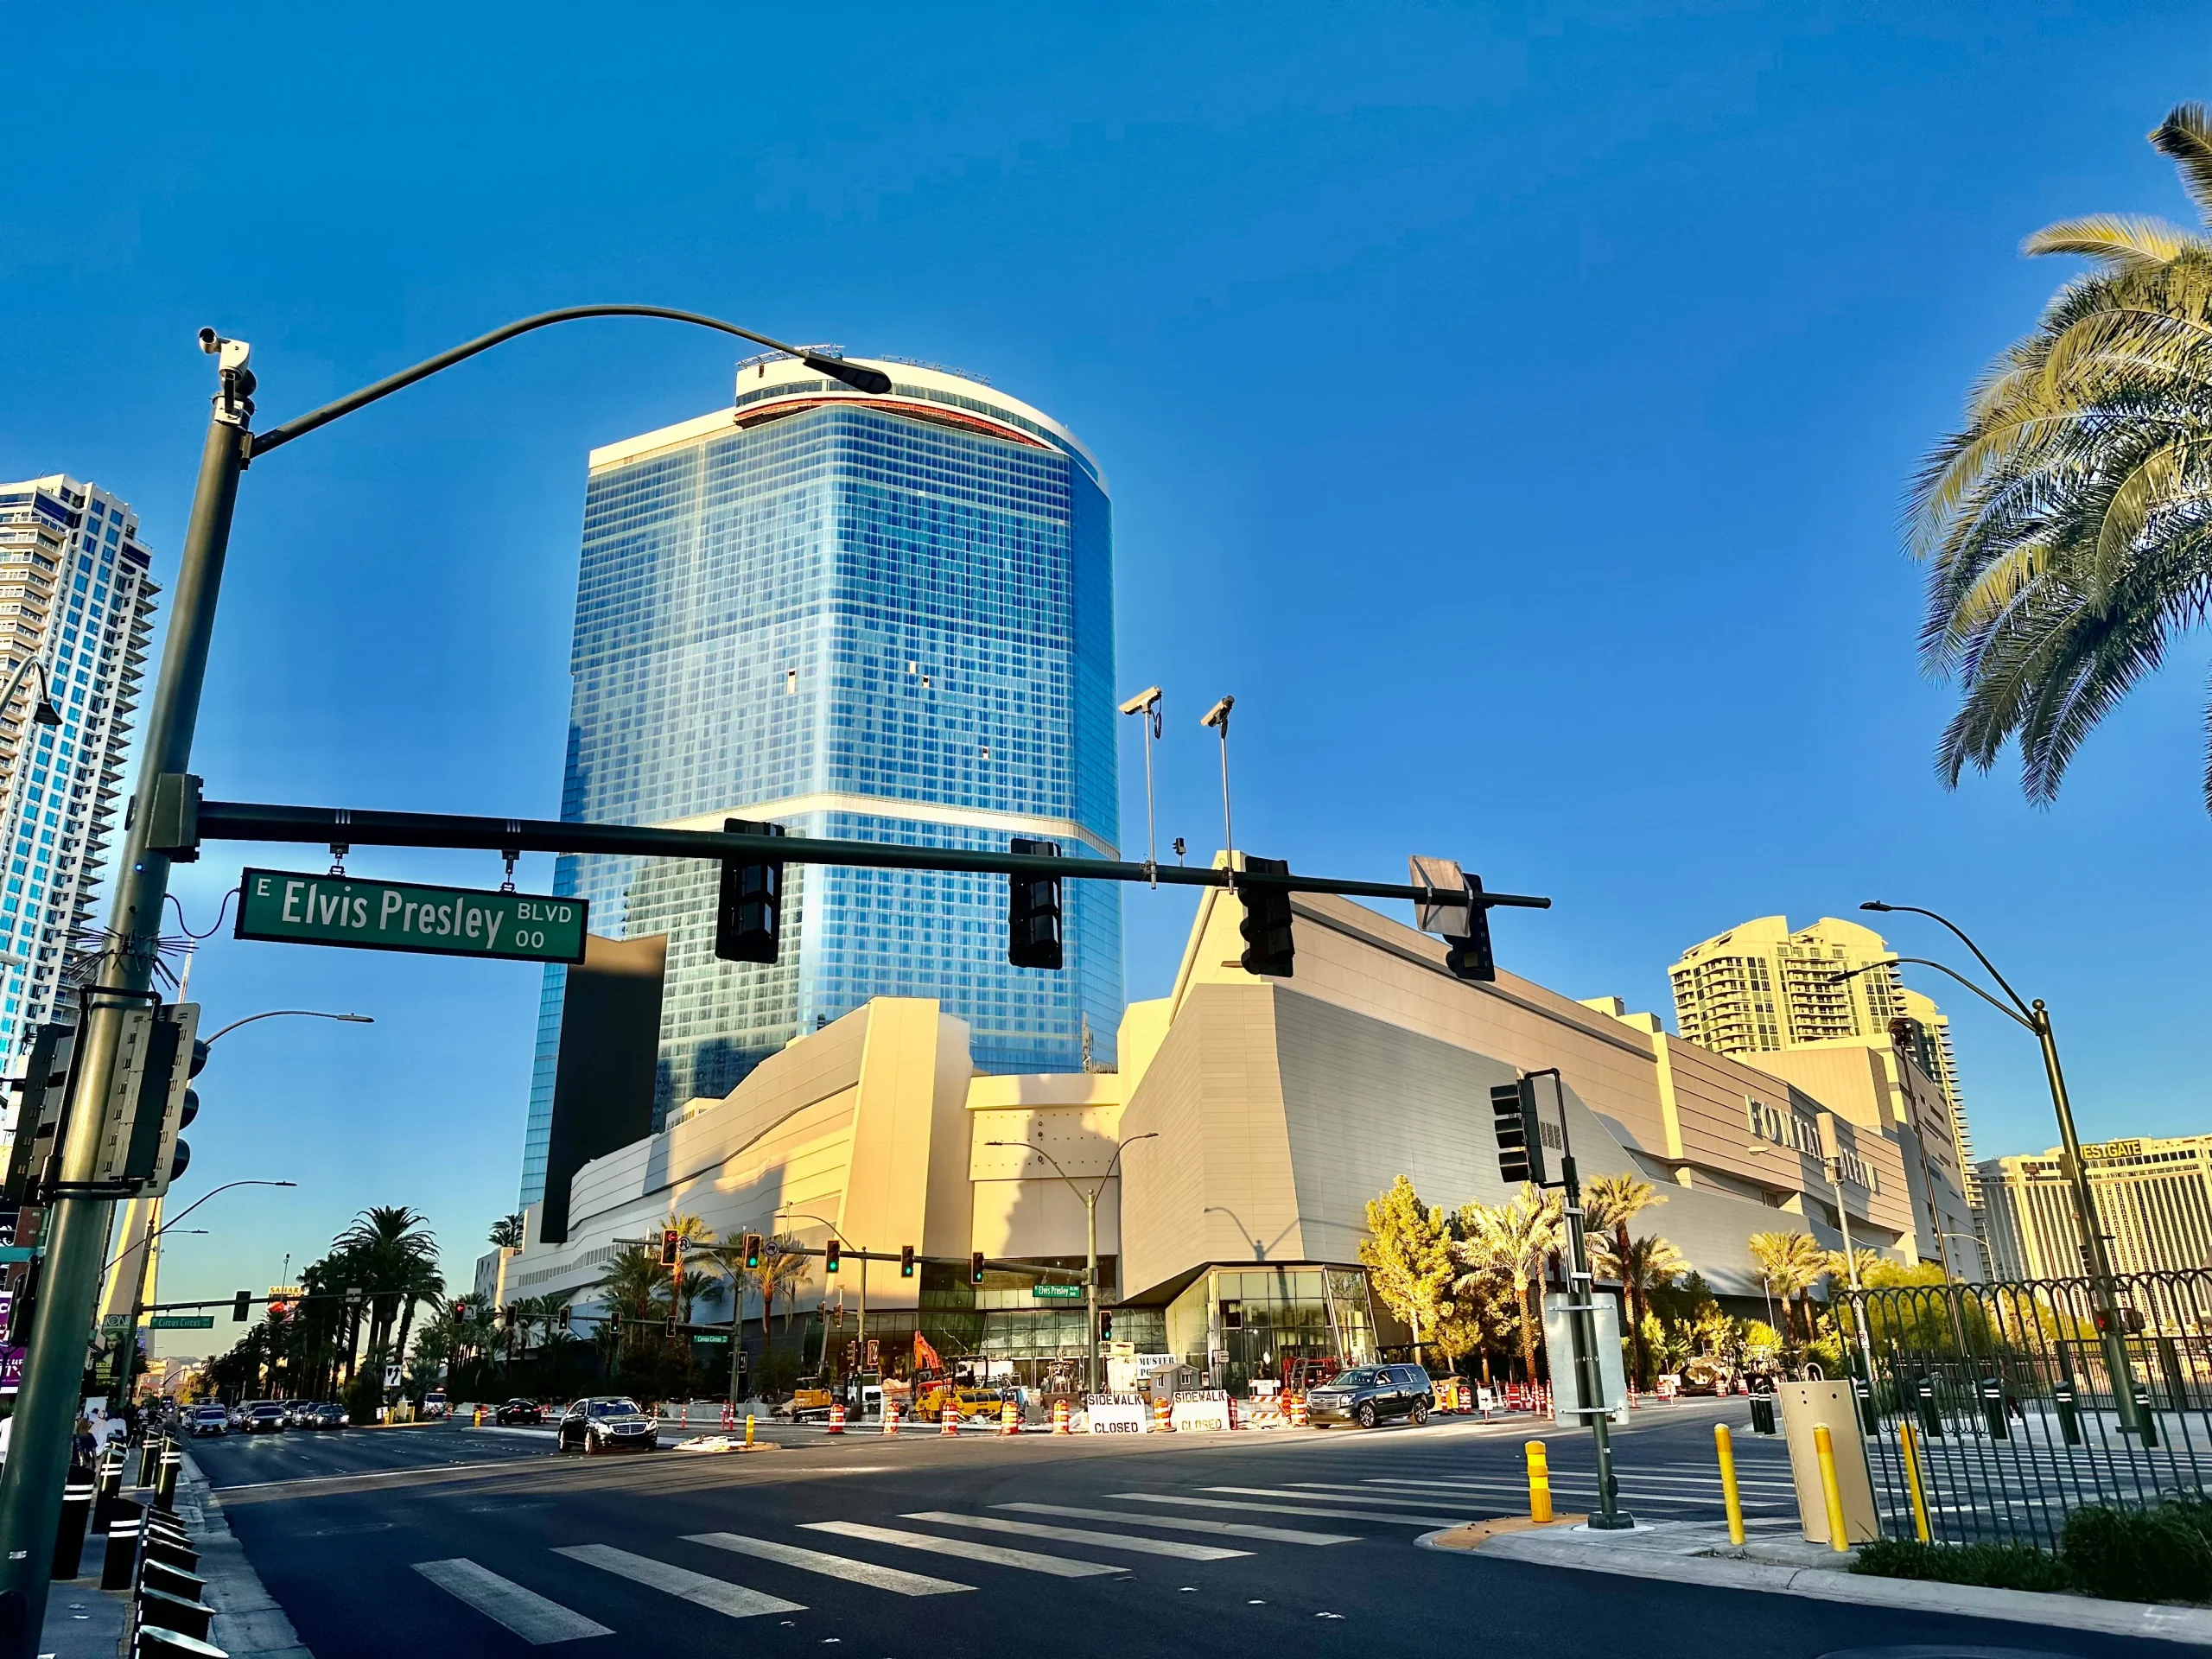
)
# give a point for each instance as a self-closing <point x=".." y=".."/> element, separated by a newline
<point x="189" y="1208"/>
<point x="868" y="380"/>
<point x="1960" y="934"/>
<point x="307" y="1014"/>
<point x="1923" y="961"/>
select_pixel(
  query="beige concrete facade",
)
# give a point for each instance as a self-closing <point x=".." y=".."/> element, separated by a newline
<point x="1270" y="1112"/>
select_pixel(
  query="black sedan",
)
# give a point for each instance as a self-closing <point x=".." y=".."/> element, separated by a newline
<point x="264" y="1417"/>
<point x="608" y="1424"/>
<point x="519" y="1411"/>
<point x="328" y="1414"/>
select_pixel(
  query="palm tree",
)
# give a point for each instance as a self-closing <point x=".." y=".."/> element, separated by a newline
<point x="1648" y="1263"/>
<point x="703" y="1266"/>
<point x="1609" y="1204"/>
<point x="636" y="1291"/>
<point x="1516" y="1237"/>
<point x="2067" y="523"/>
<point x="506" y="1232"/>
<point x="393" y="1249"/>
<point x="1793" y="1264"/>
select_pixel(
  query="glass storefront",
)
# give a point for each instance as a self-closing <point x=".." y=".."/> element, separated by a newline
<point x="1267" y="1320"/>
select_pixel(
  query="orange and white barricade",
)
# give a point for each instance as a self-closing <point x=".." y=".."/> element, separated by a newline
<point x="891" y="1416"/>
<point x="1060" y="1417"/>
<point x="1009" y="1418"/>
<point x="836" y="1417"/>
<point x="1296" y="1404"/>
<point x="948" y="1420"/>
<point x="1163" y="1417"/>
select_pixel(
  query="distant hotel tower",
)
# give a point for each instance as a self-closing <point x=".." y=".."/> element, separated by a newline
<point x="875" y="618"/>
<point x="76" y="597"/>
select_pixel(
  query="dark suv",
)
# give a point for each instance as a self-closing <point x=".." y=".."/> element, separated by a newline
<point x="1371" y="1394"/>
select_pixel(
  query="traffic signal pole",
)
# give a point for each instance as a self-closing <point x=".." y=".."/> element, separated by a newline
<point x="46" y="1409"/>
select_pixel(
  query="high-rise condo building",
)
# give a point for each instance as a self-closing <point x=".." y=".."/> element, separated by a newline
<point x="1761" y="988"/>
<point x="885" y="618"/>
<point x="76" y="599"/>
<point x="2154" y="1203"/>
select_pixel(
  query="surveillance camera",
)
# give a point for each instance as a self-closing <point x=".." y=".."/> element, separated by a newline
<point x="1142" y="701"/>
<point x="209" y="339"/>
<point x="1218" y="714"/>
<point x="235" y="354"/>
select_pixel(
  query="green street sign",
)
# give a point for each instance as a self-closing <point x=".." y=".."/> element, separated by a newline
<point x="290" y="907"/>
<point x="1057" y="1293"/>
<point x="721" y="1337"/>
<point x="183" y="1322"/>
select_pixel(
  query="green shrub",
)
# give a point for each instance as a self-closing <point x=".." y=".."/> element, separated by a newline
<point x="1999" y="1567"/>
<point x="2157" y="1555"/>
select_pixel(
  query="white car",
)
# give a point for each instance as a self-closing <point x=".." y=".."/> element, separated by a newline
<point x="207" y="1420"/>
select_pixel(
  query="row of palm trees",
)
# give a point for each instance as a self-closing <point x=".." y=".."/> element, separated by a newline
<point x="1469" y="1281"/>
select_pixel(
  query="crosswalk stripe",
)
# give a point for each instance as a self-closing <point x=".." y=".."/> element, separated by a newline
<point x="1080" y="1535"/>
<point x="895" y="1579"/>
<point x="1185" y="1523"/>
<point x="1336" y="1495"/>
<point x="529" y="1615"/>
<point x="1058" y="1566"/>
<point x="720" y="1595"/>
<point x="1291" y="1509"/>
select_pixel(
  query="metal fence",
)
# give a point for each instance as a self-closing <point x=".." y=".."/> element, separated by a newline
<point x="1994" y="1405"/>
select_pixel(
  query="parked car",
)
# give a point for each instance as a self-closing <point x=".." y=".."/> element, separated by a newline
<point x="1369" y="1394"/>
<point x="519" y="1411"/>
<point x="326" y="1415"/>
<point x="208" y="1420"/>
<point x="607" y="1424"/>
<point x="264" y="1417"/>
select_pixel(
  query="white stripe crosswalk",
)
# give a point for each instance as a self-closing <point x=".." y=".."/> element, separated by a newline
<point x="719" y="1594"/>
<point x="1058" y="1566"/>
<point x="1128" y="1541"/>
<point x="1185" y="1523"/>
<point x="1287" y="1508"/>
<point x="895" y="1579"/>
<point x="529" y="1615"/>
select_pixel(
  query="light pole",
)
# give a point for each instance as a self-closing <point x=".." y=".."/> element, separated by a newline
<point x="1090" y="1243"/>
<point x="130" y="1341"/>
<point x="31" y="1481"/>
<point x="1146" y="703"/>
<point x="2035" y="1018"/>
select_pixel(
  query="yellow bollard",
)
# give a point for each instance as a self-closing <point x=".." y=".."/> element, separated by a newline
<point x="1540" y="1483"/>
<point x="1824" y="1445"/>
<point x="748" y="1428"/>
<point x="1728" y="1491"/>
<point x="1912" y="1482"/>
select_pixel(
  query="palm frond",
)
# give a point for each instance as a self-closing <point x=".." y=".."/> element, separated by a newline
<point x="2185" y="137"/>
<point x="2118" y="241"/>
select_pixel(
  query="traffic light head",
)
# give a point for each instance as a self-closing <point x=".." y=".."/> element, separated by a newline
<point x="1470" y="957"/>
<point x="906" y="1260"/>
<point x="1520" y="1135"/>
<point x="1266" y="927"/>
<point x="749" y="911"/>
<point x="976" y="1269"/>
<point x="671" y="1247"/>
<point x="239" y="1306"/>
<point x="1105" y="1323"/>
<point x="1032" y="911"/>
<point x="831" y="1252"/>
<point x="753" y="1252"/>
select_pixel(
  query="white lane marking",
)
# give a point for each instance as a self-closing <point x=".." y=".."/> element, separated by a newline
<point x="1396" y="1500"/>
<point x="1079" y="1536"/>
<point x="1295" y="1509"/>
<point x="1184" y="1524"/>
<point x="1058" y="1566"/>
<point x="525" y="1612"/>
<point x="893" y="1578"/>
<point x="724" y="1597"/>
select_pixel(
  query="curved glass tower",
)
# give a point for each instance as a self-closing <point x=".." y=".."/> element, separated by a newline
<point x="873" y="618"/>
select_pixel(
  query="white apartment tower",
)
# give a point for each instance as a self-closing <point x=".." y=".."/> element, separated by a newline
<point x="76" y="600"/>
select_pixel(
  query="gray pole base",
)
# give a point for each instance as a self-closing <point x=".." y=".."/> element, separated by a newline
<point x="1618" y="1521"/>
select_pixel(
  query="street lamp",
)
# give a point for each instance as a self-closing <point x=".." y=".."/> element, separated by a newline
<point x="2035" y="1018"/>
<point x="138" y="1292"/>
<point x="31" y="1480"/>
<point x="279" y="1014"/>
<point x="1090" y="1241"/>
<point x="1147" y="704"/>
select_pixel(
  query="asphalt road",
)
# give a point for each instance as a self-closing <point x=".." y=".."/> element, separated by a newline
<point x="461" y="1542"/>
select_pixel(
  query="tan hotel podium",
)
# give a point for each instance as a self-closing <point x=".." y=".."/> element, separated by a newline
<point x="1805" y="1406"/>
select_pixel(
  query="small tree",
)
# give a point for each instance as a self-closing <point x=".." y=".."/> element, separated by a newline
<point x="1407" y="1254"/>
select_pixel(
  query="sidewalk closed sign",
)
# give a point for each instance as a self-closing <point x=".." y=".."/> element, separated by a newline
<point x="1115" y="1413"/>
<point x="287" y="907"/>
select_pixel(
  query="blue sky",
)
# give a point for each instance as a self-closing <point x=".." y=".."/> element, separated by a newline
<point x="1509" y="405"/>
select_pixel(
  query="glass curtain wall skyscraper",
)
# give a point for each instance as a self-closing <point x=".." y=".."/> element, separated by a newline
<point x="869" y="618"/>
<point x="75" y="596"/>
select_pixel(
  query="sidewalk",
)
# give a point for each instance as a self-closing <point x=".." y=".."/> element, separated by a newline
<point x="1777" y="1560"/>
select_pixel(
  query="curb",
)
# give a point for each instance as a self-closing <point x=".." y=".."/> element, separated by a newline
<point x="2135" y="1619"/>
<point x="248" y="1623"/>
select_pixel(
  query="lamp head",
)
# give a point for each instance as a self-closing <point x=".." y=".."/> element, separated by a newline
<point x="858" y="375"/>
<point x="45" y="714"/>
<point x="1875" y="904"/>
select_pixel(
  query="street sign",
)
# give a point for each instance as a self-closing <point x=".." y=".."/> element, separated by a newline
<point x="711" y="1335"/>
<point x="1057" y="1293"/>
<point x="183" y="1322"/>
<point x="287" y="907"/>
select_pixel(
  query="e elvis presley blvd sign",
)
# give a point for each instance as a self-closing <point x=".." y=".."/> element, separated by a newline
<point x="289" y="907"/>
